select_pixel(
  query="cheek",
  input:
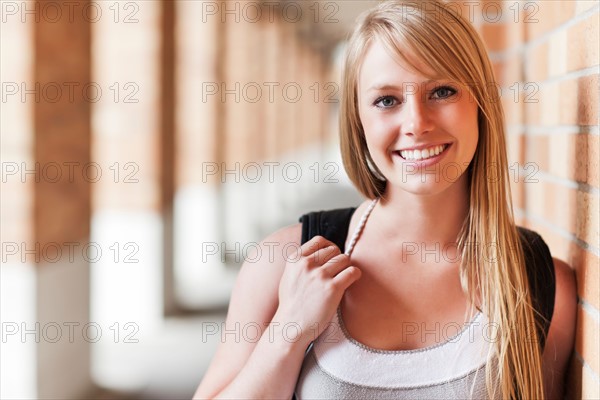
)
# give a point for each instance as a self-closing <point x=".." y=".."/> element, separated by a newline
<point x="369" y="125"/>
<point x="474" y="126"/>
<point x="375" y="126"/>
<point x="467" y="119"/>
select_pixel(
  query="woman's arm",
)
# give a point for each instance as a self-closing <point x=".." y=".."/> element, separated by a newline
<point x="253" y="301"/>
<point x="286" y="294"/>
<point x="561" y="335"/>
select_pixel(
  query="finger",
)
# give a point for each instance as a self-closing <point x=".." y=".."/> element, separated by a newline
<point x="314" y="244"/>
<point x="347" y="277"/>
<point x="336" y="264"/>
<point x="322" y="256"/>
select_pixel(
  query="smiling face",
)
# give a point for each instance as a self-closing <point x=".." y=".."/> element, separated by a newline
<point x="421" y="132"/>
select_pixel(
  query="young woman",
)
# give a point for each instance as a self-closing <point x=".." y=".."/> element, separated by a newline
<point x="427" y="289"/>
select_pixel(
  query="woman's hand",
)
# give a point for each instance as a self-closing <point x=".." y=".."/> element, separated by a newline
<point x="311" y="289"/>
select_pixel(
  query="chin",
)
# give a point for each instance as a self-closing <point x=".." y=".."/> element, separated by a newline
<point x="425" y="185"/>
<point x="425" y="190"/>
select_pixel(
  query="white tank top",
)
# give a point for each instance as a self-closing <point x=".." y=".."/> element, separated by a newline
<point x="338" y="367"/>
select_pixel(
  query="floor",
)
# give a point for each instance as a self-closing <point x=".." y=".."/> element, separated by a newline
<point x="169" y="366"/>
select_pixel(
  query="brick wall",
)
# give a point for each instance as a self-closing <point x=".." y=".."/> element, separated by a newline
<point x="545" y="54"/>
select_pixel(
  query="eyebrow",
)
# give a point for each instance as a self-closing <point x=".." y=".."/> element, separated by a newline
<point x="386" y="86"/>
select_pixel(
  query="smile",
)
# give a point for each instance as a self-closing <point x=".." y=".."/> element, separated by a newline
<point x="423" y="154"/>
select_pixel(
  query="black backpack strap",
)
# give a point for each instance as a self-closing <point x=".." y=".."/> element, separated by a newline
<point x="542" y="279"/>
<point x="332" y="225"/>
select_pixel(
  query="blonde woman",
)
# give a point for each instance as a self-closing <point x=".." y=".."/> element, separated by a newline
<point x="427" y="289"/>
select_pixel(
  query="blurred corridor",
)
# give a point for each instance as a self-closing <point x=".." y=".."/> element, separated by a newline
<point x="147" y="146"/>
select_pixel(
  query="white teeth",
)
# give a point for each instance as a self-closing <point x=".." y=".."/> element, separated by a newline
<point x="423" y="154"/>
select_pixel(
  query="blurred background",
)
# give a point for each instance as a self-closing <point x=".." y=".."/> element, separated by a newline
<point x="147" y="147"/>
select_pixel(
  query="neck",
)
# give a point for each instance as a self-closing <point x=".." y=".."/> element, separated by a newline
<point x="419" y="218"/>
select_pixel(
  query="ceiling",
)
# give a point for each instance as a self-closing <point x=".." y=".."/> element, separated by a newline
<point x="325" y="23"/>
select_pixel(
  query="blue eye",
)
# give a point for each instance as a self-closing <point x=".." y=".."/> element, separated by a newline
<point x="385" y="102"/>
<point x="443" y="92"/>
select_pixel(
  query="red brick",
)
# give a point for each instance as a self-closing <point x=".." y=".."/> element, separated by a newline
<point x="557" y="50"/>
<point x="587" y="268"/>
<point x="537" y="63"/>
<point x="537" y="151"/>
<point x="542" y="106"/>
<point x="579" y="101"/>
<point x="584" y="40"/>
<point x="543" y="16"/>
<point x="587" y="340"/>
<point x="590" y="389"/>
<point x="516" y="147"/>
<point x="569" y="209"/>
<point x="494" y="36"/>
<point x="587" y="207"/>
<point x="583" y="262"/>
<point x="581" y="382"/>
<point x="586" y="166"/>
<point x="513" y="110"/>
<point x="570" y="102"/>
<point x="511" y="73"/>
<point x="559" y="246"/>
<point x="582" y="6"/>
<point x="552" y="203"/>
<point x="533" y="112"/>
<point x="62" y="130"/>
<point x="570" y="156"/>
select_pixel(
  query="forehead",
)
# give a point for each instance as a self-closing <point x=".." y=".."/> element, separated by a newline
<point x="381" y="67"/>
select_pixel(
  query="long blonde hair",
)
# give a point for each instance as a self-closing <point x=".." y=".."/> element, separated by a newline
<point x="493" y="276"/>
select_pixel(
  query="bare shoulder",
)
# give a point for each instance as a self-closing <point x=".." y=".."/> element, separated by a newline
<point x="264" y="267"/>
<point x="561" y="335"/>
<point x="565" y="302"/>
<point x="253" y="303"/>
<point x="566" y="286"/>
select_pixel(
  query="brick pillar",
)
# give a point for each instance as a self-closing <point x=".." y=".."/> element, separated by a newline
<point x="127" y="210"/>
<point x="167" y="151"/>
<point x="62" y="207"/>
<point x="201" y="281"/>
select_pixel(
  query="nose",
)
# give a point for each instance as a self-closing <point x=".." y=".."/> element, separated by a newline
<point x="416" y="117"/>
